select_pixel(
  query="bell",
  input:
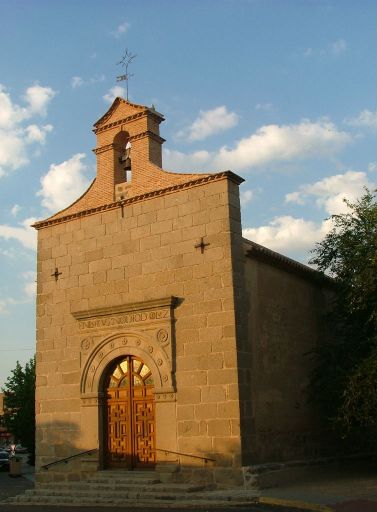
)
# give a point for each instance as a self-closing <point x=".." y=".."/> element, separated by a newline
<point x="127" y="163"/>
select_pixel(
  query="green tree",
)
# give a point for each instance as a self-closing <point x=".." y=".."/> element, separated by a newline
<point x="345" y="378"/>
<point x="19" y="405"/>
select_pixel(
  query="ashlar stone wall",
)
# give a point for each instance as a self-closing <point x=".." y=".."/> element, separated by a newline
<point x="112" y="262"/>
<point x="287" y="309"/>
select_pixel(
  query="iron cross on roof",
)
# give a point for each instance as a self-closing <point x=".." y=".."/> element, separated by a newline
<point x="201" y="245"/>
<point x="125" y="61"/>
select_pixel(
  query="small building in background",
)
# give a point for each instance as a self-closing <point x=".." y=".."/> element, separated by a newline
<point x="5" y="436"/>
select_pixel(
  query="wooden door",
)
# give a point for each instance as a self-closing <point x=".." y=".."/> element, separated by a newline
<point x="130" y="432"/>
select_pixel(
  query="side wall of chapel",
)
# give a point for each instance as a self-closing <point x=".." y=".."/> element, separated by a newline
<point x="286" y="321"/>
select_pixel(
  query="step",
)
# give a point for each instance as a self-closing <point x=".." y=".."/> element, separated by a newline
<point x="129" y="494"/>
<point x="122" y="487"/>
<point x="94" y="480"/>
<point x="214" y="500"/>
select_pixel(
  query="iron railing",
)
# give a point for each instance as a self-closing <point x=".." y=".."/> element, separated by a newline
<point x="67" y="459"/>
<point x="206" y="459"/>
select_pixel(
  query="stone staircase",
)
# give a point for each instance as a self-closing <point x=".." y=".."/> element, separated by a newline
<point x="136" y="489"/>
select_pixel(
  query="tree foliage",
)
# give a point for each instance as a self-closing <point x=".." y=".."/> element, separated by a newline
<point x="345" y="378"/>
<point x="19" y="405"/>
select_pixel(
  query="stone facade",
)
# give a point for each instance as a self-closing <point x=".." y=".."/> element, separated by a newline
<point x="155" y="267"/>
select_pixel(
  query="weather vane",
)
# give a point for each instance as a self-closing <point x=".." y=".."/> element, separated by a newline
<point x="125" y="62"/>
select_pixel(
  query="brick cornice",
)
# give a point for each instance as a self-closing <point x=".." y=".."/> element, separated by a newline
<point x="102" y="149"/>
<point x="126" y="120"/>
<point x="148" y="195"/>
<point x="141" y="108"/>
<point x="147" y="133"/>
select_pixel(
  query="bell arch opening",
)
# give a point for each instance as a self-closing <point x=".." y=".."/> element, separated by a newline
<point x="122" y="158"/>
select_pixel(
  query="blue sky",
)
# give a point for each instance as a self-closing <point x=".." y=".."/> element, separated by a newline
<point x="282" y="92"/>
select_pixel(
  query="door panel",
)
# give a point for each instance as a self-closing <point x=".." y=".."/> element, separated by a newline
<point x="130" y="432"/>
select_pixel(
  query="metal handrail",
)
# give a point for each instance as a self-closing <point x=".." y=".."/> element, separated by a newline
<point x="89" y="452"/>
<point x="67" y="459"/>
<point x="206" y="459"/>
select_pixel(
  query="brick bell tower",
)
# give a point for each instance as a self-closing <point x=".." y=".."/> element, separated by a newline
<point x="129" y="159"/>
<point x="128" y="149"/>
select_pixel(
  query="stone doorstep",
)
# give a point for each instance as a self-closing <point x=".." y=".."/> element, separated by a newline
<point x="214" y="500"/>
<point x="118" y="481"/>
<point x="84" y="487"/>
<point x="136" y="495"/>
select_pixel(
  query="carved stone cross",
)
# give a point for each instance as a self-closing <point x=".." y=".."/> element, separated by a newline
<point x="56" y="274"/>
<point x="201" y="245"/>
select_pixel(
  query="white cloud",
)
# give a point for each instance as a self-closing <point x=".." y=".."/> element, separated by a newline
<point x="267" y="107"/>
<point x="372" y="167"/>
<point x="15" y="136"/>
<point x="78" y="81"/>
<point x="296" y="236"/>
<point x="246" y="196"/>
<point x="23" y="233"/>
<point x="4" y="303"/>
<point x="283" y="143"/>
<point x="63" y="183"/>
<point x="29" y="291"/>
<point x="38" y="98"/>
<point x="334" y="49"/>
<point x="38" y="133"/>
<point x="270" y="144"/>
<point x="331" y="191"/>
<point x="338" y="47"/>
<point x="113" y="93"/>
<point x="15" y="209"/>
<point x="30" y="286"/>
<point x="289" y="235"/>
<point x="12" y="150"/>
<point x="121" y="30"/>
<point x="210" y="122"/>
<point x="308" y="52"/>
<point x="199" y="160"/>
<point x="9" y="114"/>
<point x="366" y="119"/>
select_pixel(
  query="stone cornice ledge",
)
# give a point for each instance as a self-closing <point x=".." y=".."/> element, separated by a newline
<point x="164" y="302"/>
<point x="135" y="199"/>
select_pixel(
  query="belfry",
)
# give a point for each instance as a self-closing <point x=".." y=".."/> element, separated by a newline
<point x="166" y="341"/>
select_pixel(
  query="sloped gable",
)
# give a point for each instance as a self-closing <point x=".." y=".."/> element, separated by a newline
<point x="120" y="109"/>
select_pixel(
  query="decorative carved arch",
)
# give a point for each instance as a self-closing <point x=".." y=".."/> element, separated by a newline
<point x="119" y="344"/>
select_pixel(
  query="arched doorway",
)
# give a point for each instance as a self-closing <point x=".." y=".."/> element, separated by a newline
<point x="129" y="415"/>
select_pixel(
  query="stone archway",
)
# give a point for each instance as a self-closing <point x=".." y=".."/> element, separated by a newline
<point x="120" y="344"/>
<point x="141" y="330"/>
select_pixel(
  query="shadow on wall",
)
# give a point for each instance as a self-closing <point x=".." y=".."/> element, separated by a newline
<point x="55" y="442"/>
<point x="62" y="455"/>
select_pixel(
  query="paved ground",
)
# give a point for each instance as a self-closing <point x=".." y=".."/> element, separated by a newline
<point x="45" y="508"/>
<point x="351" y="489"/>
<point x="347" y="489"/>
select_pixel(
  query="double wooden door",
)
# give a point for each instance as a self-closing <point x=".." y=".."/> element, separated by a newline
<point x="130" y="411"/>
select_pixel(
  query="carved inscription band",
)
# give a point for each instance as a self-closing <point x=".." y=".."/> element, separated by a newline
<point x="121" y="320"/>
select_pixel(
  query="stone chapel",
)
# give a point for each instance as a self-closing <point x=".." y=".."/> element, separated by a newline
<point x="165" y="340"/>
